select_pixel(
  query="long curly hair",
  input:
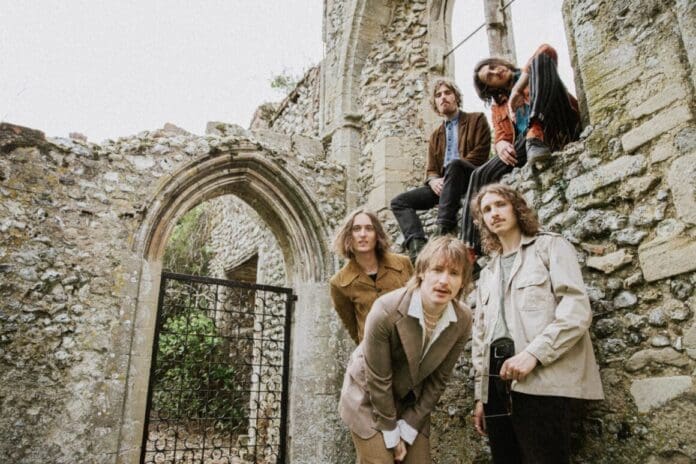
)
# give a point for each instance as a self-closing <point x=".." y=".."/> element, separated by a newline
<point x="449" y="83"/>
<point x="492" y="94"/>
<point x="343" y="240"/>
<point x="527" y="219"/>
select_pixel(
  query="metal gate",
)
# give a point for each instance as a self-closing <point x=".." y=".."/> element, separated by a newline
<point x="218" y="389"/>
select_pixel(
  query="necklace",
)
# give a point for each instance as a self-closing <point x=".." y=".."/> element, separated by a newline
<point x="431" y="319"/>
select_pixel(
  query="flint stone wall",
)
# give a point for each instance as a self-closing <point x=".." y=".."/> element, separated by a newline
<point x="393" y="86"/>
<point x="239" y="234"/>
<point x="298" y="113"/>
<point x="69" y="211"/>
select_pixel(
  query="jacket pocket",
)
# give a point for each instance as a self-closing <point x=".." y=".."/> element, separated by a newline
<point x="537" y="305"/>
<point x="534" y="292"/>
<point x="356" y="368"/>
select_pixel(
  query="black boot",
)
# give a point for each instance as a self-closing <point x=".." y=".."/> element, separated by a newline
<point x="442" y="230"/>
<point x="414" y="247"/>
<point x="537" y="150"/>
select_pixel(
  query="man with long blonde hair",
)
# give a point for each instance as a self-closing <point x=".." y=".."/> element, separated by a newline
<point x="370" y="271"/>
<point x="413" y="338"/>
<point x="531" y="346"/>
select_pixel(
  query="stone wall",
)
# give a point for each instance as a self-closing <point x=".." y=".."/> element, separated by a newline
<point x="82" y="228"/>
<point x="68" y="210"/>
<point x="238" y="235"/>
<point x="298" y="113"/>
<point x="394" y="94"/>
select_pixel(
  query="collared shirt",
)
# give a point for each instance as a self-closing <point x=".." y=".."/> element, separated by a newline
<point x="452" y="139"/>
<point x="415" y="310"/>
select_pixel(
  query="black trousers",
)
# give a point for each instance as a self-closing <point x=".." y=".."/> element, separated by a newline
<point x="549" y="104"/>
<point x="492" y="171"/>
<point x="405" y="205"/>
<point x="537" y="431"/>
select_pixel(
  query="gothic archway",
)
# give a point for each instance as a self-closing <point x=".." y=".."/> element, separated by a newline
<point x="261" y="179"/>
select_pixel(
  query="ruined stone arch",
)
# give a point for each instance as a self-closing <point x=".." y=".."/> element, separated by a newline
<point x="363" y="28"/>
<point x="263" y="181"/>
<point x="278" y="197"/>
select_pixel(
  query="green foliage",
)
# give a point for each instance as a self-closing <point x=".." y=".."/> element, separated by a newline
<point x="195" y="377"/>
<point x="187" y="251"/>
<point x="285" y="82"/>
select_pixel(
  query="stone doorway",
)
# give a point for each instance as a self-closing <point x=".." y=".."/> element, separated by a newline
<point x="285" y="205"/>
<point x="218" y="389"/>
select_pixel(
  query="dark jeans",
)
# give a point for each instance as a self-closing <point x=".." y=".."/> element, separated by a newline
<point x="492" y="171"/>
<point x="549" y="104"/>
<point x="405" y="205"/>
<point x="537" y="432"/>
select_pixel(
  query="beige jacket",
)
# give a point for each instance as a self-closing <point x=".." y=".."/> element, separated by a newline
<point x="386" y="380"/>
<point x="353" y="291"/>
<point x="548" y="313"/>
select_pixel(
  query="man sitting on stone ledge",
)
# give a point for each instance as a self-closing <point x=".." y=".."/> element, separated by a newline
<point x="532" y="114"/>
<point x="460" y="144"/>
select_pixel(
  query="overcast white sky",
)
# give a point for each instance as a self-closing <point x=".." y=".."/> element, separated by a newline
<point x="110" y="68"/>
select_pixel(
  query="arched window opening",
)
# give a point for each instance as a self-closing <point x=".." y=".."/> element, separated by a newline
<point x="245" y="271"/>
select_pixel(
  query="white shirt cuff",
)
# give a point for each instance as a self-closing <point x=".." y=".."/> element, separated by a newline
<point x="391" y="437"/>
<point x="408" y="433"/>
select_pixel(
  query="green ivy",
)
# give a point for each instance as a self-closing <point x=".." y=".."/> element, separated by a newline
<point x="187" y="251"/>
<point x="195" y="377"/>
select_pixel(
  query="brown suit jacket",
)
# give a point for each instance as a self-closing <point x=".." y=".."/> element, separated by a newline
<point x="474" y="144"/>
<point x="353" y="291"/>
<point x="386" y="380"/>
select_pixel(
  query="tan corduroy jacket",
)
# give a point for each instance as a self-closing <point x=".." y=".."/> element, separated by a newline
<point x="353" y="291"/>
<point x="386" y="379"/>
<point x="548" y="313"/>
<point x="474" y="143"/>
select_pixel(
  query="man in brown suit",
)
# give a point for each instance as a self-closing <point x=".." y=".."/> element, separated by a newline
<point x="457" y="147"/>
<point x="413" y="337"/>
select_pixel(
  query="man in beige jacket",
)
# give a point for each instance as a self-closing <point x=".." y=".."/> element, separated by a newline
<point x="531" y="346"/>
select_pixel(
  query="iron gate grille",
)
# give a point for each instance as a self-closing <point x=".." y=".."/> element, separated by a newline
<point x="219" y="376"/>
